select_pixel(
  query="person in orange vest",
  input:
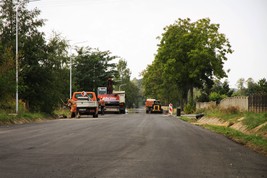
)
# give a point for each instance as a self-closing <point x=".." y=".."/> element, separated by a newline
<point x="73" y="107"/>
<point x="102" y="106"/>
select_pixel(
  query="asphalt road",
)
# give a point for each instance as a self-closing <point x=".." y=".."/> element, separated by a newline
<point x="130" y="145"/>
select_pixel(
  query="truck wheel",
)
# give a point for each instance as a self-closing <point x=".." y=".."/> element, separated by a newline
<point x="95" y="115"/>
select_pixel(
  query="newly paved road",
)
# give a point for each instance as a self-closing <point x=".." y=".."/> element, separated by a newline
<point x="130" y="145"/>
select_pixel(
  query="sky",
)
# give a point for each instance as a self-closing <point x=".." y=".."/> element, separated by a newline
<point x="129" y="28"/>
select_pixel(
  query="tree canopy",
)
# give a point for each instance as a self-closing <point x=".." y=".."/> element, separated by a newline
<point x="252" y="87"/>
<point x="42" y="64"/>
<point x="190" y="55"/>
<point x="126" y="84"/>
<point x="92" y="68"/>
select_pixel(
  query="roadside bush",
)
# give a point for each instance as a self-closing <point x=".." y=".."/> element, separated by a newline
<point x="214" y="96"/>
<point x="189" y="108"/>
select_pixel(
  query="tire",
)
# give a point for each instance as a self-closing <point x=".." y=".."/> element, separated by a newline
<point x="95" y="115"/>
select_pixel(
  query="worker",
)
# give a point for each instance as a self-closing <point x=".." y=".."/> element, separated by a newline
<point x="73" y="107"/>
<point x="102" y="106"/>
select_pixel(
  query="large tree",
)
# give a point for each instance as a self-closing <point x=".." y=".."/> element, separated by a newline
<point x="190" y="55"/>
<point x="93" y="68"/>
<point x="40" y="62"/>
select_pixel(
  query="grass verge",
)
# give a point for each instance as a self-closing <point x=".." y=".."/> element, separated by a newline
<point x="257" y="143"/>
<point x="187" y="119"/>
<point x="252" y="120"/>
<point x="230" y="114"/>
<point x="22" y="117"/>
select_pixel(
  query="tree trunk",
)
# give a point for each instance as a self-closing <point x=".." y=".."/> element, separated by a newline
<point x="191" y="94"/>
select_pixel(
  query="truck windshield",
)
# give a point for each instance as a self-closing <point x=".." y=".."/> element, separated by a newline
<point x="89" y="95"/>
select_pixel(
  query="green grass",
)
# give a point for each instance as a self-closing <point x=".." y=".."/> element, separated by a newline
<point x="230" y="114"/>
<point x="62" y="112"/>
<point x="187" y="119"/>
<point x="6" y="118"/>
<point x="255" y="142"/>
<point x="253" y="120"/>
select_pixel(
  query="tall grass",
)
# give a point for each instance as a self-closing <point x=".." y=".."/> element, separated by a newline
<point x="230" y="114"/>
<point x="253" y="120"/>
<point x="6" y="118"/>
<point x="255" y="142"/>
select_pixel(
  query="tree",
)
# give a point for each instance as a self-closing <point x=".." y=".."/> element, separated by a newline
<point x="7" y="54"/>
<point x="32" y="47"/>
<point x="131" y="87"/>
<point x="124" y="72"/>
<point x="7" y="78"/>
<point x="253" y="88"/>
<point x="262" y="86"/>
<point x="190" y="55"/>
<point x="57" y="50"/>
<point x="92" y="68"/>
<point x="42" y="65"/>
<point x="217" y="92"/>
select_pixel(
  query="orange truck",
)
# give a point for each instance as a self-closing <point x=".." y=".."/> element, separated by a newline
<point x="114" y="102"/>
<point x="153" y="106"/>
<point x="83" y="103"/>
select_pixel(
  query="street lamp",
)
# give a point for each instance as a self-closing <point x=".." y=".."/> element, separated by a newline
<point x="71" y="65"/>
<point x="17" y="56"/>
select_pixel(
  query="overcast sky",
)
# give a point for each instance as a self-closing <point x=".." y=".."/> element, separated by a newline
<point x="128" y="28"/>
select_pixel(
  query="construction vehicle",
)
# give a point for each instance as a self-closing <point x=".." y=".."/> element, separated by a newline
<point x="114" y="100"/>
<point x="153" y="106"/>
<point x="121" y="100"/>
<point x="84" y="103"/>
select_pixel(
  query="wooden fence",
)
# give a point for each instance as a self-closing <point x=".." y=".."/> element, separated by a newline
<point x="254" y="103"/>
<point x="257" y="103"/>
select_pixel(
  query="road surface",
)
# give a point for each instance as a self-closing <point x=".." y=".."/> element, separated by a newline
<point x="130" y="145"/>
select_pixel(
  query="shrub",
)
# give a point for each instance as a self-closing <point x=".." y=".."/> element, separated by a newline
<point x="214" y="96"/>
<point x="189" y="108"/>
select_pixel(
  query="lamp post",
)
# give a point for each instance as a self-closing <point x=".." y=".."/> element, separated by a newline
<point x="17" y="56"/>
<point x="71" y="65"/>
